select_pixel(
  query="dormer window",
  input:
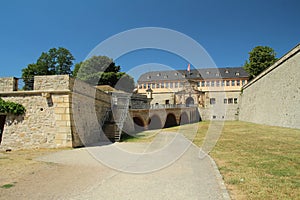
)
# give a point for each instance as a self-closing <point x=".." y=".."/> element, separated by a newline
<point x="226" y="71"/>
<point x="148" y="77"/>
<point x="158" y="74"/>
<point x="217" y="74"/>
<point x="176" y="74"/>
<point x="165" y="76"/>
<point x="237" y="73"/>
<point x="207" y="72"/>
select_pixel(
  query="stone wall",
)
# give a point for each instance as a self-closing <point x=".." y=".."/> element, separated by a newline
<point x="42" y="126"/>
<point x="89" y="106"/>
<point x="8" y="84"/>
<point x="54" y="82"/>
<point x="273" y="98"/>
<point x="59" y="113"/>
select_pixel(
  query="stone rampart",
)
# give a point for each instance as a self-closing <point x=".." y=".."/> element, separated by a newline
<point x="273" y="97"/>
<point x="51" y="110"/>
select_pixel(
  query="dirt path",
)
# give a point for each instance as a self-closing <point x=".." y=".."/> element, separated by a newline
<point x="76" y="174"/>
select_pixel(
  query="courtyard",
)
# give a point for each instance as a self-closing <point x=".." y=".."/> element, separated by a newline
<point x="255" y="161"/>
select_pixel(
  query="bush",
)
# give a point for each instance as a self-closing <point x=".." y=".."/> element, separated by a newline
<point x="11" y="107"/>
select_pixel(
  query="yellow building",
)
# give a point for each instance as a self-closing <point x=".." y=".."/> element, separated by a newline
<point x="205" y="88"/>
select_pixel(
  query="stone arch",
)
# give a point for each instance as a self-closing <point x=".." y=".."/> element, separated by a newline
<point x="184" y="118"/>
<point x="190" y="101"/>
<point x="170" y="120"/>
<point x="139" y="124"/>
<point x="154" y="122"/>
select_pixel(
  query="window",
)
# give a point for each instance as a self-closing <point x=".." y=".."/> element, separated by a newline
<point x="167" y="85"/>
<point x="207" y="83"/>
<point x="212" y="83"/>
<point x="230" y="101"/>
<point x="140" y="86"/>
<point x="202" y="83"/>
<point x="217" y="74"/>
<point x="237" y="73"/>
<point x="198" y="84"/>
<point x="207" y="72"/>
<point x="157" y="85"/>
<point x="171" y="85"/>
<point x="225" y="101"/>
<point x="145" y="85"/>
<point x="153" y="85"/>
<point x="235" y="100"/>
<point x="158" y="74"/>
<point x="162" y="85"/>
<point x="149" y="85"/>
<point x="167" y="101"/>
<point x="227" y="83"/>
<point x="233" y="83"/>
<point x="165" y="76"/>
<point x="149" y="77"/>
<point x="212" y="101"/>
<point x="226" y="71"/>
<point x="223" y="83"/>
<point x="176" y="74"/>
<point x="181" y="84"/>
<point x="238" y="82"/>
<point x="243" y="82"/>
<point x="218" y="83"/>
<point x="176" y="85"/>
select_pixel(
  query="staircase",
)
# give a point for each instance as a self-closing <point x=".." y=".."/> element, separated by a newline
<point x="114" y="119"/>
<point x="122" y="112"/>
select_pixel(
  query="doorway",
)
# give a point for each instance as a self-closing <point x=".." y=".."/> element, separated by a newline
<point x="2" y="122"/>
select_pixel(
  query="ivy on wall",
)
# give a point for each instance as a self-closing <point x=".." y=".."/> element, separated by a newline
<point x="11" y="107"/>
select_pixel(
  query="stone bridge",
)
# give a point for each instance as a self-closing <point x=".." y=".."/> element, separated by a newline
<point x="156" y="118"/>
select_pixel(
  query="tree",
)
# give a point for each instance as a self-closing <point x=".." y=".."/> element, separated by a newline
<point x="260" y="58"/>
<point x="76" y="69"/>
<point x="101" y="70"/>
<point x="54" y="62"/>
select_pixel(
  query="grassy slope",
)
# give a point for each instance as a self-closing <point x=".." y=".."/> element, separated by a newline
<point x="256" y="161"/>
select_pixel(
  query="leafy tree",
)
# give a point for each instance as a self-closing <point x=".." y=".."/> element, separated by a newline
<point x="54" y="62"/>
<point x="76" y="69"/>
<point x="101" y="70"/>
<point x="260" y="58"/>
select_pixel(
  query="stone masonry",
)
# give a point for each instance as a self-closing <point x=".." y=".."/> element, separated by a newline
<point x="273" y="97"/>
<point x="49" y="118"/>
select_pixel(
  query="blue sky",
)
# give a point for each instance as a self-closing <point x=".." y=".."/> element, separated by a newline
<point x="228" y="30"/>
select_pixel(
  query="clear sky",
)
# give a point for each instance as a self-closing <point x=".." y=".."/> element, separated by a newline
<point x="227" y="29"/>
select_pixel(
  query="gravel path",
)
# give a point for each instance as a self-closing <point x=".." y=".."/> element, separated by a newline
<point x="154" y="170"/>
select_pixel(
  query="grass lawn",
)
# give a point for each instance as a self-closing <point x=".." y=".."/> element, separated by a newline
<point x="256" y="161"/>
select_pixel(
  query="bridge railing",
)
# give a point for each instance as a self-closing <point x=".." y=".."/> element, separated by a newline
<point x="163" y="106"/>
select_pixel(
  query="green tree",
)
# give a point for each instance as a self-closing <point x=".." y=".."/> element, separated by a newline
<point x="54" y="62"/>
<point x="260" y="58"/>
<point x="101" y="70"/>
<point x="76" y="69"/>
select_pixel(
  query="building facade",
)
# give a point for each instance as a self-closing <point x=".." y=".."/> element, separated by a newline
<point x="216" y="91"/>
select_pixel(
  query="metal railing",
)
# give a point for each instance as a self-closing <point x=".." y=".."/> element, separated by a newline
<point x="163" y="106"/>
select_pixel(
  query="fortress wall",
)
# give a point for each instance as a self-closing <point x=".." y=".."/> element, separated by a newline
<point x="273" y="98"/>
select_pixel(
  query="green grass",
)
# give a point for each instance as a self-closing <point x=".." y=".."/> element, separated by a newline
<point x="266" y="158"/>
<point x="7" y="186"/>
<point x="256" y="161"/>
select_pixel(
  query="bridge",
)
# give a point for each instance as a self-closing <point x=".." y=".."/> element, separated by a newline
<point x="156" y="118"/>
<point x="132" y="120"/>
